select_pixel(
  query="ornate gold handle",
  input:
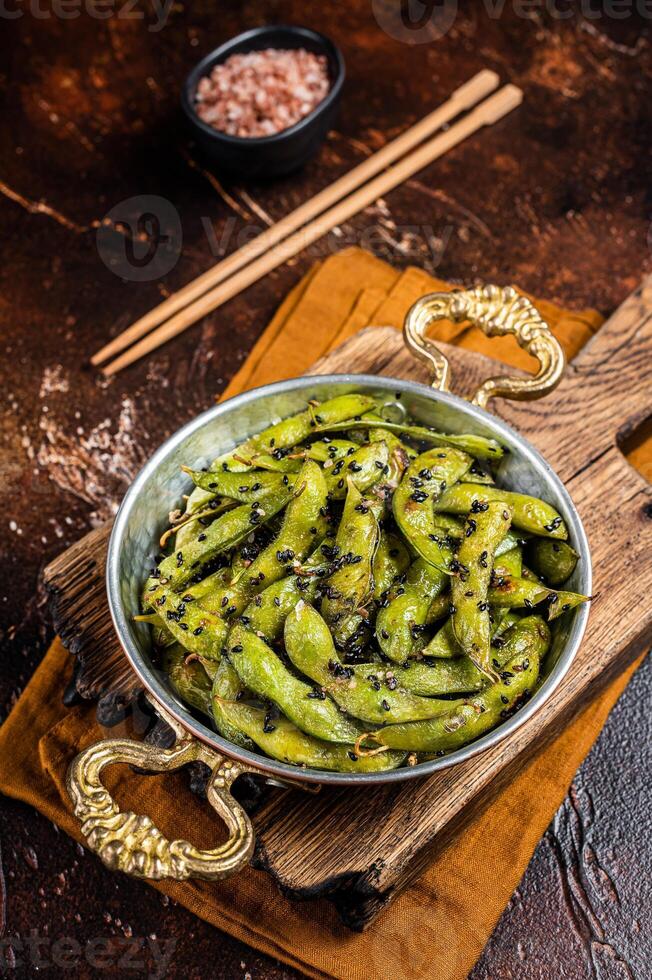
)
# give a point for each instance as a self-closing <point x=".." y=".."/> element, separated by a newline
<point x="497" y="311"/>
<point x="132" y="843"/>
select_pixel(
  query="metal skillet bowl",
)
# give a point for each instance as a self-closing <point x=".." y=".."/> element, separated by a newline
<point x="132" y="843"/>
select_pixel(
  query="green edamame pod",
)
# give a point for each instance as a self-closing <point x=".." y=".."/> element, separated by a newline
<point x="444" y="644"/>
<point x="365" y="467"/>
<point x="391" y="560"/>
<point x="433" y="678"/>
<point x="528" y="513"/>
<point x="227" y="687"/>
<point x="510" y="593"/>
<point x="439" y="608"/>
<point x="263" y="673"/>
<point x="274" y="464"/>
<point x="291" y="431"/>
<point x="282" y="740"/>
<point x="466" y="719"/>
<point x="400" y="454"/>
<point x="470" y="586"/>
<point x="476" y="475"/>
<point x="509" y="562"/>
<point x="188" y="679"/>
<point x="281" y="436"/>
<point x="479" y="446"/>
<point x="446" y="525"/>
<point x="329" y="450"/>
<point x="555" y="561"/>
<point x="351" y="586"/>
<point x="223" y="534"/>
<point x="424" y="481"/>
<point x="303" y="524"/>
<point x="358" y="690"/>
<point x="161" y="635"/>
<point x="399" y="625"/>
<point x="267" y="612"/>
<point x="246" y="488"/>
<point x="201" y="631"/>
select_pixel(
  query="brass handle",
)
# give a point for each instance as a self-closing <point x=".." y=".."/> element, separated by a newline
<point x="132" y="843"/>
<point x="497" y="311"/>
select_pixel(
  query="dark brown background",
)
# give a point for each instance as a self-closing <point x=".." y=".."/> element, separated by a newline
<point x="556" y="198"/>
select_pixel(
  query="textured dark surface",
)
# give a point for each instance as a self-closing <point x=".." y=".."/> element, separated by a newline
<point x="556" y="199"/>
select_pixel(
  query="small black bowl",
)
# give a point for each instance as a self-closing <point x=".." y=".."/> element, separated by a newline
<point x="281" y="153"/>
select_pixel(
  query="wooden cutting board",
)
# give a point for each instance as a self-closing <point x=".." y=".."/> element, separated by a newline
<point x="363" y="847"/>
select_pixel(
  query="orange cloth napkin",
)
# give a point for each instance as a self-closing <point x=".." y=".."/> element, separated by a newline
<point x="440" y="925"/>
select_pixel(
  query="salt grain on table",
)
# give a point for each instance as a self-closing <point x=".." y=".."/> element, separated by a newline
<point x="262" y="92"/>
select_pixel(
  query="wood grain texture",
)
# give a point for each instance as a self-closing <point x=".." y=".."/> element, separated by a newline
<point x="605" y="391"/>
<point x="76" y="587"/>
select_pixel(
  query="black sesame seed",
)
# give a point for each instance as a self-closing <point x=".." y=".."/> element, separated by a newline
<point x="418" y="496"/>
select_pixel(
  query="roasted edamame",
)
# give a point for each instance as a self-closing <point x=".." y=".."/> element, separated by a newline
<point x="349" y="592"/>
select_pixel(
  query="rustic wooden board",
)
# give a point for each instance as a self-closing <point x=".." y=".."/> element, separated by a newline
<point x="604" y="396"/>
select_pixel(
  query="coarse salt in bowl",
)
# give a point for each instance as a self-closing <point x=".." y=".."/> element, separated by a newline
<point x="261" y="104"/>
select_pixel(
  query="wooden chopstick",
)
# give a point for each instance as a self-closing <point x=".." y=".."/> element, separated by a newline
<point x="465" y="97"/>
<point x="487" y="113"/>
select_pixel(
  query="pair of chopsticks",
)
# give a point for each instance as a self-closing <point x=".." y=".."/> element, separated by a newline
<point x="332" y="206"/>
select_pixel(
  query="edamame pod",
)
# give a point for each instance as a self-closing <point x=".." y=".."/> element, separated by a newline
<point x="201" y="631"/>
<point x="510" y="593"/>
<point x="282" y="436"/>
<point x="444" y="644"/>
<point x="479" y="446"/>
<point x="303" y="524"/>
<point x="434" y="677"/>
<point x="350" y="587"/>
<point x="329" y="450"/>
<point x="399" y="625"/>
<point x="509" y="562"/>
<point x="262" y="672"/>
<point x="358" y="690"/>
<point x="188" y="679"/>
<point x="468" y="719"/>
<point x="227" y="687"/>
<point x="555" y="561"/>
<point x="391" y="560"/>
<point x="267" y="612"/>
<point x="424" y="481"/>
<point x="223" y="534"/>
<point x="470" y="585"/>
<point x="295" y="429"/>
<point x="528" y="513"/>
<point x="365" y="467"/>
<point x="246" y="488"/>
<point x="282" y="740"/>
